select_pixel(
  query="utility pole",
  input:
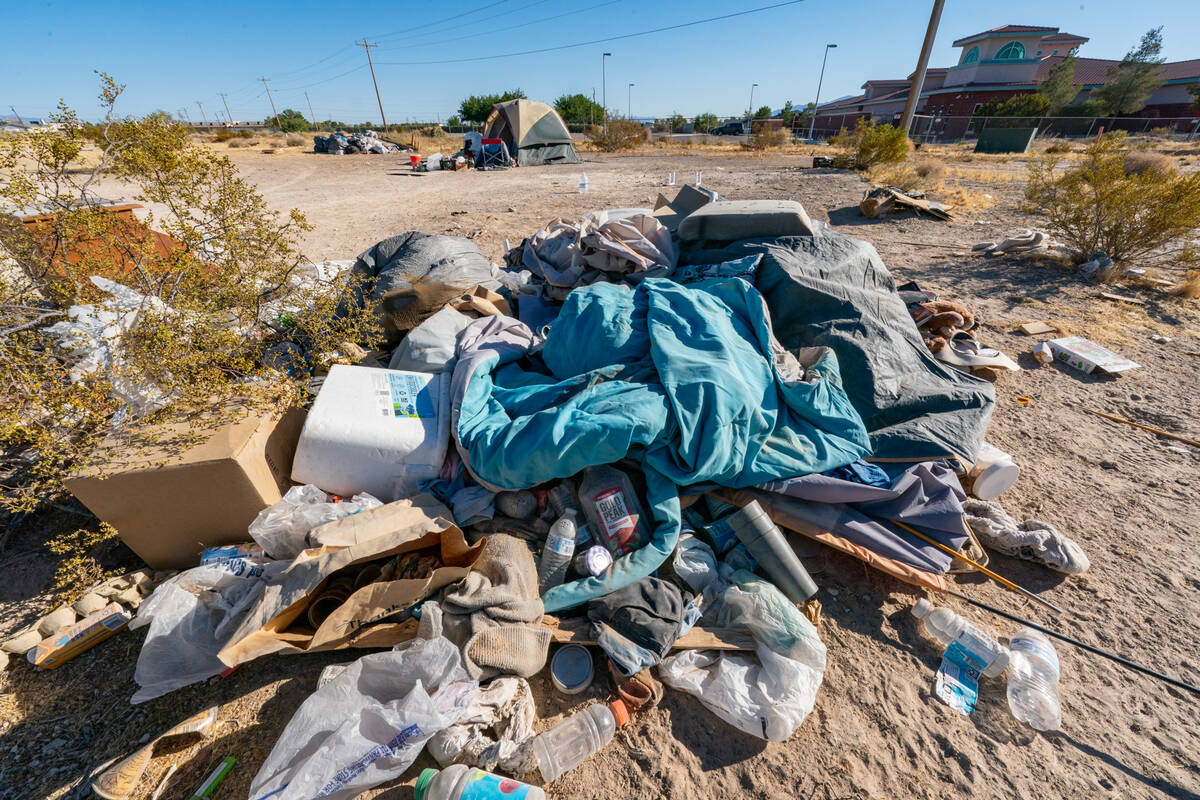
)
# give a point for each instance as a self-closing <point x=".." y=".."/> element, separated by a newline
<point x="604" y="89"/>
<point x="918" y="81"/>
<point x="366" y="46"/>
<point x="203" y="116"/>
<point x="22" y="122"/>
<point x="812" y="123"/>
<point x="750" y="113"/>
<point x="311" y="116"/>
<point x="273" y="111"/>
<point x="226" y="102"/>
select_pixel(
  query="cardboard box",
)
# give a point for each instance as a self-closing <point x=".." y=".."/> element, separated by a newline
<point x="1089" y="357"/>
<point x="172" y="499"/>
<point x="83" y="635"/>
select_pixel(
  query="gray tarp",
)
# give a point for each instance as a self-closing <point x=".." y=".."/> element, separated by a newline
<point x="834" y="291"/>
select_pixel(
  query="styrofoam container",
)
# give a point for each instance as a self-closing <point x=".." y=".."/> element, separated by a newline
<point x="993" y="473"/>
<point x="374" y="430"/>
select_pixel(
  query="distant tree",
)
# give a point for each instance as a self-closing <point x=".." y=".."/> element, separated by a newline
<point x="804" y="115"/>
<point x="292" y="121"/>
<point x="673" y="123"/>
<point x="477" y="107"/>
<point x="787" y="114"/>
<point x="763" y="112"/>
<point x="705" y="121"/>
<point x="1059" y="88"/>
<point x="454" y="122"/>
<point x="579" y="108"/>
<point x="1134" y="79"/>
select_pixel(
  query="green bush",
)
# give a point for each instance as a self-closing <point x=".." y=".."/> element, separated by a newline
<point x="870" y="144"/>
<point x="766" y="137"/>
<point x="1097" y="205"/>
<point x="1059" y="147"/>
<point x="222" y="136"/>
<point x="622" y="134"/>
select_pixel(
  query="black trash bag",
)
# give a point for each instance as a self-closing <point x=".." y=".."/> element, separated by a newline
<point x="637" y="625"/>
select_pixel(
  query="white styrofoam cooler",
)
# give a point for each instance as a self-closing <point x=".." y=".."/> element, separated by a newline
<point x="374" y="430"/>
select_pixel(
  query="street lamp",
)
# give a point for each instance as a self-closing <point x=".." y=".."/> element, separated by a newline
<point x="629" y="102"/>
<point x="604" y="89"/>
<point x="812" y="123"/>
<point x="751" y="115"/>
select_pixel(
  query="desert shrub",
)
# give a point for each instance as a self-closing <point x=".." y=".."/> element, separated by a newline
<point x="622" y="134"/>
<point x="766" y="137"/>
<point x="296" y="140"/>
<point x="1140" y="161"/>
<point x="1096" y="205"/>
<point x="237" y="143"/>
<point x="1189" y="287"/>
<point x="222" y="136"/>
<point x="219" y="292"/>
<point x="1161" y="133"/>
<point x="243" y="134"/>
<point x="932" y="172"/>
<point x="870" y="144"/>
<point x="902" y="176"/>
<point x="1059" y="147"/>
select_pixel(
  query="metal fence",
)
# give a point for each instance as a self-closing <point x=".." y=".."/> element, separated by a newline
<point x="932" y="128"/>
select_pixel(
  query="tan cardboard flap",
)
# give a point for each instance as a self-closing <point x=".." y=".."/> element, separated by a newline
<point x="276" y="625"/>
<point x="422" y="512"/>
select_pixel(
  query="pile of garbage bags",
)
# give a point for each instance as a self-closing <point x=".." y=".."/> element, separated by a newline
<point x="340" y="143"/>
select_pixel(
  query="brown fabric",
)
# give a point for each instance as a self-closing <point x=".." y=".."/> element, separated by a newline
<point x="494" y="613"/>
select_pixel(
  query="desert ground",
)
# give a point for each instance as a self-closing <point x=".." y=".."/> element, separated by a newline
<point x="1127" y="496"/>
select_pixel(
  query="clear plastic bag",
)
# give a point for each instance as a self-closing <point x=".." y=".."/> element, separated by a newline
<point x="190" y="617"/>
<point x="765" y="694"/>
<point x="282" y="529"/>
<point x="369" y="724"/>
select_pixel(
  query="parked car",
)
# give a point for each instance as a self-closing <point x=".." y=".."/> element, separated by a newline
<point x="734" y="128"/>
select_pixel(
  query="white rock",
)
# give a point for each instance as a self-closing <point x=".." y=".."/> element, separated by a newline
<point x="22" y="642"/>
<point x="90" y="603"/>
<point x="130" y="598"/>
<point x="56" y="620"/>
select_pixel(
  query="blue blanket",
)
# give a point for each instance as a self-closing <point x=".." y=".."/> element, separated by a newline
<point x="688" y="379"/>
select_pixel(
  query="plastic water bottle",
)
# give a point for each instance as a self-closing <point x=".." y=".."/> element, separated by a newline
<point x="557" y="552"/>
<point x="613" y="511"/>
<point x="577" y="738"/>
<point x="1033" y="681"/>
<point x="583" y="183"/>
<point x="949" y="628"/>
<point x="460" y="782"/>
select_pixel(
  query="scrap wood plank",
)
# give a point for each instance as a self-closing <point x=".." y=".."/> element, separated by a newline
<point x="1035" y="328"/>
<point x="577" y="630"/>
<point x="1120" y="298"/>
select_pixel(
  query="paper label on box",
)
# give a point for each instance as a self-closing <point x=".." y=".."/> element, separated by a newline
<point x="405" y="395"/>
<point x="1086" y="356"/>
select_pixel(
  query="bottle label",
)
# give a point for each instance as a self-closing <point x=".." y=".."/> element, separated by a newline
<point x="560" y="545"/>
<point x="620" y="527"/>
<point x="1042" y="650"/>
<point x="970" y="649"/>
<point x="486" y="786"/>
<point x="958" y="684"/>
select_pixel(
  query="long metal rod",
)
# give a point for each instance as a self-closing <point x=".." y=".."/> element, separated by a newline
<point x="918" y="79"/>
<point x="1000" y="579"/>
<point x="1125" y="662"/>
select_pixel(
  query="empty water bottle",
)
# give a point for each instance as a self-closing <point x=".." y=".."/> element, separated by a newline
<point x="577" y="738"/>
<point x="1033" y="681"/>
<point x="949" y="628"/>
<point x="557" y="552"/>
<point x="583" y="183"/>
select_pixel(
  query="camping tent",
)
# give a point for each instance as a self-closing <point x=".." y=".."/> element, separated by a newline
<point x="534" y="132"/>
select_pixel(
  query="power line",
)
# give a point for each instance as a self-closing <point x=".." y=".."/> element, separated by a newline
<point x="505" y="13"/>
<point x="538" y="21"/>
<point x="592" y="41"/>
<point x="455" y="18"/>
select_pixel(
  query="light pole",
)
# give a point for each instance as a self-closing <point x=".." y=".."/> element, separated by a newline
<point x="751" y="114"/>
<point x="812" y="123"/>
<point x="629" y="102"/>
<point x="604" y="89"/>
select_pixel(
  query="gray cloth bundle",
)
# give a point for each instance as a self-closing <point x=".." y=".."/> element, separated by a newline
<point x="1032" y="540"/>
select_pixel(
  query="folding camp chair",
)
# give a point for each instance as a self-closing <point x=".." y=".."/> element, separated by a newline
<point x="493" y="155"/>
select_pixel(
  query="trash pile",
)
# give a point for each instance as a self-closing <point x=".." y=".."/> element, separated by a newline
<point x="340" y="143"/>
<point x="597" y="460"/>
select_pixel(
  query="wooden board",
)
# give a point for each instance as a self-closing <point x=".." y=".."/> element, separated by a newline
<point x="578" y="631"/>
<point x="1120" y="298"/>
<point x="1036" y="328"/>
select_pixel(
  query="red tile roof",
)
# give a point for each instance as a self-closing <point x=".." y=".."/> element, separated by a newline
<point x="1094" y="71"/>
<point x="1006" y="29"/>
<point x="1064" y="38"/>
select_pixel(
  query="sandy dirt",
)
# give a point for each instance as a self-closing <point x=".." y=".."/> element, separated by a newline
<point x="1127" y="496"/>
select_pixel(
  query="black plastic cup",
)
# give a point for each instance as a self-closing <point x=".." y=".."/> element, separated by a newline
<point x="762" y="537"/>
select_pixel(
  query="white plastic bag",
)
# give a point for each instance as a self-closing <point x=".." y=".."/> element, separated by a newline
<point x="282" y="529"/>
<point x="369" y="724"/>
<point x="504" y="708"/>
<point x="766" y="694"/>
<point x="695" y="563"/>
<point x="190" y="617"/>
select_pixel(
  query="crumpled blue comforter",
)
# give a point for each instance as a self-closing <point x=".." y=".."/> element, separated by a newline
<point x="687" y="379"/>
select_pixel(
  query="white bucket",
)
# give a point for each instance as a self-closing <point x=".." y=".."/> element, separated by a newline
<point x="374" y="430"/>
<point x="993" y="474"/>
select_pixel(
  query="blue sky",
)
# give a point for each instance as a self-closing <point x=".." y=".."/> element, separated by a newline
<point x="173" y="54"/>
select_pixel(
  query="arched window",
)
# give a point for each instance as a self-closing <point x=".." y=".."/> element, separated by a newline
<point x="1011" y="52"/>
<point x="972" y="56"/>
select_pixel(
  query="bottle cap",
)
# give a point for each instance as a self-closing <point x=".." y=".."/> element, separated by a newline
<point x="922" y="608"/>
<point x="426" y="777"/>
<point x="620" y="713"/>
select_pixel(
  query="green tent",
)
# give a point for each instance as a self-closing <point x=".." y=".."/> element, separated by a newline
<point x="534" y="133"/>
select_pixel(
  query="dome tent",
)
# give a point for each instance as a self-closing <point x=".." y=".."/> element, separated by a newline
<point x="534" y="133"/>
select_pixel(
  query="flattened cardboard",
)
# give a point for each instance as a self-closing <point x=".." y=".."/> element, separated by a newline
<point x="1088" y="357"/>
<point x="278" y="623"/>
<point x="170" y="502"/>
